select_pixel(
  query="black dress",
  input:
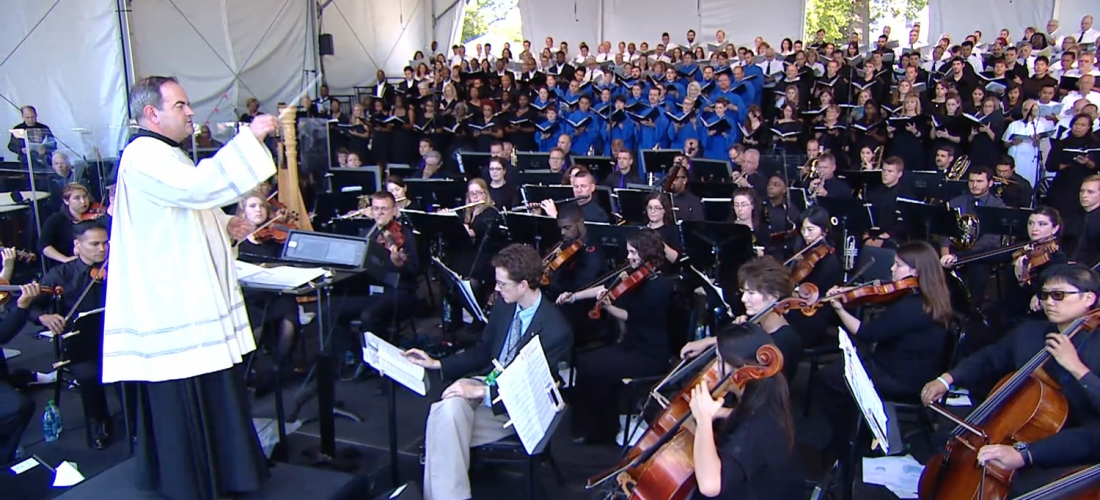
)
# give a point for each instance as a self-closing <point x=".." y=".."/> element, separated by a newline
<point x="790" y="344"/>
<point x="827" y="273"/>
<point x="909" y="147"/>
<point x="756" y="463"/>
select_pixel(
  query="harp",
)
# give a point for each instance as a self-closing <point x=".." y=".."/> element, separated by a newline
<point x="290" y="187"/>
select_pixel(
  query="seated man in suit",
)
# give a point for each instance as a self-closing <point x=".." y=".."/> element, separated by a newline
<point x="465" y="416"/>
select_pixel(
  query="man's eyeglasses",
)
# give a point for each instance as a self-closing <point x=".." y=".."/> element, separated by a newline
<point x="1057" y="295"/>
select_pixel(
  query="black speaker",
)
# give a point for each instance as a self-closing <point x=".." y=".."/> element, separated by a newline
<point x="407" y="491"/>
<point x="324" y="45"/>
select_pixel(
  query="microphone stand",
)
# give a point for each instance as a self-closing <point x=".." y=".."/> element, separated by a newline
<point x="1039" y="167"/>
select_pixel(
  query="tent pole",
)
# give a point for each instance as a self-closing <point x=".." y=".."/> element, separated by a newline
<point x="122" y="9"/>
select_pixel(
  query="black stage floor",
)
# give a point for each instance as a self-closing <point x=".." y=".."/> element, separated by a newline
<point x="368" y="440"/>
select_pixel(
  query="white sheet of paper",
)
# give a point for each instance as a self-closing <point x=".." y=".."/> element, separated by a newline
<point x="277" y="276"/>
<point x="900" y="475"/>
<point x="525" y="387"/>
<point x="67" y="475"/>
<point x="466" y="288"/>
<point x="863" y="390"/>
<point x="388" y="360"/>
<point x="24" y="466"/>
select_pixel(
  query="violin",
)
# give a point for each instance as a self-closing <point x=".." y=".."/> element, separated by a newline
<point x="95" y="211"/>
<point x="7" y="291"/>
<point x="625" y="283"/>
<point x="1036" y="255"/>
<point x="805" y="260"/>
<point x="25" y="256"/>
<point x="274" y="232"/>
<point x="98" y="273"/>
<point x="875" y="292"/>
<point x="1026" y="405"/>
<point x="558" y="257"/>
<point x="391" y="236"/>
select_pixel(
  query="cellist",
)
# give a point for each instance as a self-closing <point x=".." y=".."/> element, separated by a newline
<point x="1059" y="454"/>
<point x="747" y="451"/>
<point x="1068" y="293"/>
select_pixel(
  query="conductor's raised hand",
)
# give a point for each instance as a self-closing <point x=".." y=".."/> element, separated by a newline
<point x="421" y="358"/>
<point x="263" y="125"/>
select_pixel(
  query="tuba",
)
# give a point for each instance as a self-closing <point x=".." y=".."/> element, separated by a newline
<point x="958" y="168"/>
<point x="968" y="230"/>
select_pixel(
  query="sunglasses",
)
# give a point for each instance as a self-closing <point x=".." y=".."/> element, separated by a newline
<point x="1057" y="295"/>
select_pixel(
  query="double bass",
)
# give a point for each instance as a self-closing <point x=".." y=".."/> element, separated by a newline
<point x="1025" y="406"/>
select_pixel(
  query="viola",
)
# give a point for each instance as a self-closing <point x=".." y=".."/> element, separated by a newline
<point x="7" y="291"/>
<point x="624" y="284"/>
<point x="805" y="262"/>
<point x="875" y="292"/>
<point x="558" y="257"/>
<point x="1026" y="405"/>
<point x="1037" y="255"/>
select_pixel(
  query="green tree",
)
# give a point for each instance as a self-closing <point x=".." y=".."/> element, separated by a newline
<point x="482" y="14"/>
<point x="833" y="16"/>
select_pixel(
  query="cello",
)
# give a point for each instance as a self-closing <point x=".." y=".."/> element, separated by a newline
<point x="1026" y="406"/>
<point x="1081" y="485"/>
<point x="660" y="464"/>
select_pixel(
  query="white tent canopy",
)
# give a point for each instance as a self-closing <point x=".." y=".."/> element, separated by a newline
<point x="74" y="59"/>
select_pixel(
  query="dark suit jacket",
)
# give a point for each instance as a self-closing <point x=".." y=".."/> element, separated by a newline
<point x="549" y="324"/>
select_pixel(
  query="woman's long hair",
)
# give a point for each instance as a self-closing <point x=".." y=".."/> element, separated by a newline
<point x="663" y="199"/>
<point x="473" y="212"/>
<point x="818" y="216"/>
<point x="737" y="346"/>
<point x="934" y="295"/>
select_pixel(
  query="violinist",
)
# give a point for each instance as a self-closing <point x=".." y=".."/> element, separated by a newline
<point x="642" y="314"/>
<point x="55" y="242"/>
<point x="1068" y="293"/>
<point x="747" y="451"/>
<point x="267" y="309"/>
<point x="585" y="265"/>
<point x="1021" y="299"/>
<point x="814" y="227"/>
<point x="909" y="338"/>
<point x="763" y="281"/>
<point x="90" y="245"/>
<point x="688" y="206"/>
<point x="659" y="217"/>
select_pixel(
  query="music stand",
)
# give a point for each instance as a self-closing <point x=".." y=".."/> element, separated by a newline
<point x="850" y="213"/>
<point x="657" y="160"/>
<point x="462" y="284"/>
<point x="862" y="181"/>
<point x="798" y="199"/>
<point x="446" y="229"/>
<point x="1003" y="221"/>
<point x="937" y="219"/>
<point x="611" y="237"/>
<point x="540" y="178"/>
<point x="529" y="160"/>
<point x="632" y="205"/>
<point x="712" y="170"/>
<point x="717" y="209"/>
<point x="716" y="243"/>
<point x="428" y="193"/>
<point x="367" y="179"/>
<point x="531" y="227"/>
<point x="535" y="194"/>
<point x="712" y="189"/>
<point x="474" y="164"/>
<point x="600" y="166"/>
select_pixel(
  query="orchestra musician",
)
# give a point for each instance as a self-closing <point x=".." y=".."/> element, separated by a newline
<point x="884" y="203"/>
<point x="814" y="228"/>
<point x="688" y="206"/>
<point x="74" y="276"/>
<point x="585" y="265"/>
<point x="659" y="217"/>
<point x="909" y="337"/>
<point x="643" y="346"/>
<point x="976" y="274"/>
<point x="763" y="281"/>
<point x="1068" y="292"/>
<point x="1083" y="224"/>
<point x="747" y="451"/>
<point x="584" y="187"/>
<point x="1056" y="455"/>
<point x="1021" y="299"/>
<point x="747" y="211"/>
<point x="780" y="215"/>
<point x="55" y="242"/>
<point x="466" y="416"/>
<point x="480" y="219"/>
<point x="16" y="407"/>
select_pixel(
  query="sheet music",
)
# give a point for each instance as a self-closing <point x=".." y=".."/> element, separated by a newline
<point x="717" y="289"/>
<point x="89" y="313"/>
<point x="863" y="390"/>
<point x="278" y="276"/>
<point x="528" y="392"/>
<point x="466" y="288"/>
<point x="388" y="360"/>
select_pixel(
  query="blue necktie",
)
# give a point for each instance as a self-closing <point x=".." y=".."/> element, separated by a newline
<point x="511" y="341"/>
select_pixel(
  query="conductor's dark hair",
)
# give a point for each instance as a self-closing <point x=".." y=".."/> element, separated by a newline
<point x="649" y="245"/>
<point x="571" y="213"/>
<point x="767" y="397"/>
<point x="522" y="263"/>
<point x="765" y="275"/>
<point x="146" y="92"/>
<point x="1078" y="276"/>
<point x="83" y="227"/>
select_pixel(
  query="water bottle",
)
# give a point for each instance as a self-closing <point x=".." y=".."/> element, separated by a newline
<point x="51" y="422"/>
<point x="447" y="320"/>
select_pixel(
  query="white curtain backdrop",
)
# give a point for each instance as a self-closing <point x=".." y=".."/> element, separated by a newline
<point x="448" y="23"/>
<point x="575" y="21"/>
<point x="69" y="68"/>
<point x="960" y="19"/>
<point x="1070" y="13"/>
<point x="372" y="34"/>
<point x="224" y="51"/>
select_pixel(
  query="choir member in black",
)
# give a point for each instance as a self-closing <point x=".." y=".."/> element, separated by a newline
<point x="659" y="217"/>
<point x="1070" y="165"/>
<point x="56" y="240"/>
<point x="909" y="338"/>
<point x="985" y="141"/>
<point x="763" y="281"/>
<point x="504" y="193"/>
<point x="1082" y="236"/>
<point x="936" y="105"/>
<point x="688" y="206"/>
<point x="832" y="133"/>
<point x="38" y="133"/>
<point x="381" y="132"/>
<point x="267" y="309"/>
<point x="826" y="183"/>
<point x="487" y="127"/>
<point x="747" y="210"/>
<point x="624" y="173"/>
<point x="754" y="130"/>
<point x="814" y="227"/>
<point x="1021" y="300"/>
<point x="747" y="451"/>
<point x="74" y="277"/>
<point x="642" y="315"/>
<point x="787" y="129"/>
<point x="963" y="78"/>
<point x="521" y="128"/>
<point x="869" y="130"/>
<point x="884" y="204"/>
<point x="908" y="131"/>
<point x="1015" y="190"/>
<point x="584" y="187"/>
<point x="780" y="216"/>
<point x="16" y="407"/>
<point x="1068" y="292"/>
<point x="950" y="128"/>
<point x="358" y="132"/>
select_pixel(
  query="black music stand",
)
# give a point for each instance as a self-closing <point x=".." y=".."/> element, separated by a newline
<point x="369" y="179"/>
<point x="1003" y="221"/>
<point x="531" y="227"/>
<point x="716" y="243"/>
<point x="535" y="194"/>
<point x="540" y="178"/>
<point x="853" y="214"/>
<point x="717" y="209"/>
<point x="937" y="219"/>
<point x="862" y="181"/>
<point x="797" y="198"/>
<point x="632" y="204"/>
<point x="474" y="164"/>
<point x="712" y="189"/>
<point x="600" y="166"/>
<point x="528" y="160"/>
<point x="712" y="170"/>
<point x="426" y="193"/>
<point x="611" y="237"/>
<point x="657" y="161"/>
